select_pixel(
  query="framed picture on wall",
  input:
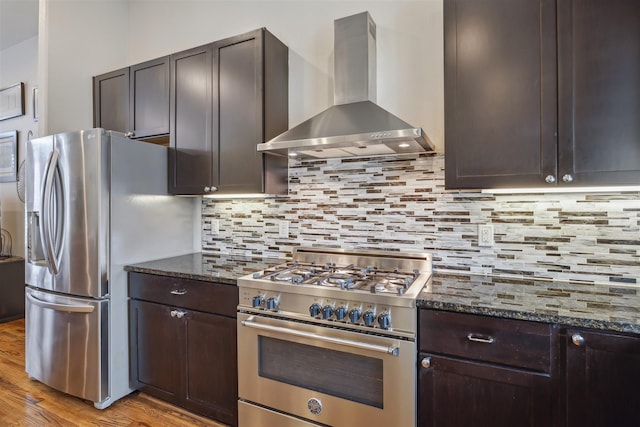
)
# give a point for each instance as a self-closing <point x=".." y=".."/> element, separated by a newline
<point x="12" y="101"/>
<point x="8" y="156"/>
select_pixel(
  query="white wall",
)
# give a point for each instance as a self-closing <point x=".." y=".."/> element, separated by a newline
<point x="18" y="63"/>
<point x="80" y="39"/>
<point x="94" y="36"/>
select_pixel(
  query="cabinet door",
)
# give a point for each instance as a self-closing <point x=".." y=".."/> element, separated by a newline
<point x="238" y="109"/>
<point x="156" y="347"/>
<point x="500" y="93"/>
<point x="457" y="393"/>
<point x="211" y="366"/>
<point x="111" y="100"/>
<point x="192" y="160"/>
<point x="149" y="98"/>
<point x="603" y="373"/>
<point x="599" y="91"/>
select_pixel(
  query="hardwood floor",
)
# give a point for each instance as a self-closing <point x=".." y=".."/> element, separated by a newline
<point x="24" y="402"/>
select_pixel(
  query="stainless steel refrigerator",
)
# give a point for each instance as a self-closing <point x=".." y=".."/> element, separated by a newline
<point x="95" y="201"/>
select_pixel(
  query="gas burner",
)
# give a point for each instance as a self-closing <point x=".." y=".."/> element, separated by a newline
<point x="338" y="279"/>
<point x="390" y="286"/>
<point x="293" y="275"/>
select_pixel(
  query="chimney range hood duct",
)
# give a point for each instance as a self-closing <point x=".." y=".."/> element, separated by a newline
<point x="355" y="125"/>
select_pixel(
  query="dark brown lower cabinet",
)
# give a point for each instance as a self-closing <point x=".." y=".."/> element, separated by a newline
<point x="476" y="370"/>
<point x="210" y="361"/>
<point x="155" y="349"/>
<point x="603" y="376"/>
<point x="180" y="353"/>
<point x="457" y="393"/>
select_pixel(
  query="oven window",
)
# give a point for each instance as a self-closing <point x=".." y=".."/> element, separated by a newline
<point x="345" y="375"/>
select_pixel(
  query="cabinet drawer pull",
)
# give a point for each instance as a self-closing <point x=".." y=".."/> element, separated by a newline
<point x="179" y="292"/>
<point x="577" y="339"/>
<point x="480" y="338"/>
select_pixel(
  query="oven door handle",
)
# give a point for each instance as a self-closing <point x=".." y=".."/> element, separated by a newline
<point x="394" y="350"/>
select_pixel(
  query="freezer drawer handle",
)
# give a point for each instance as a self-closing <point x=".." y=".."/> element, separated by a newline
<point x="392" y="349"/>
<point x="61" y="307"/>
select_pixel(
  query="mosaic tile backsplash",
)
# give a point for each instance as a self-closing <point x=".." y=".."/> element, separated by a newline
<point x="401" y="205"/>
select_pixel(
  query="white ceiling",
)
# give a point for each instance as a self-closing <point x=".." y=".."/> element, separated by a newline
<point x="18" y="21"/>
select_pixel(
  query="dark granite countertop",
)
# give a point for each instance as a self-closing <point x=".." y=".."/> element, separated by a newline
<point x="198" y="266"/>
<point x="614" y="307"/>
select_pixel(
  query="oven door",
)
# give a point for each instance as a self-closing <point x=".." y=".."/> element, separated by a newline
<point x="324" y="375"/>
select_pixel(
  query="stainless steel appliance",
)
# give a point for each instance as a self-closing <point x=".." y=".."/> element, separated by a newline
<point x="95" y="201"/>
<point x="355" y="125"/>
<point x="330" y="339"/>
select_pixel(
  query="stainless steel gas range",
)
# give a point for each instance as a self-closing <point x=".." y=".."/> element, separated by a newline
<point x="329" y="339"/>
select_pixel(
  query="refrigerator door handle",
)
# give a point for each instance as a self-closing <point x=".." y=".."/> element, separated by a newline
<point x="60" y="307"/>
<point x="47" y="239"/>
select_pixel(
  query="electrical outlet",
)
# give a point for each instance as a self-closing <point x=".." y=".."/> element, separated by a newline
<point x="215" y="227"/>
<point x="485" y="235"/>
<point x="283" y="231"/>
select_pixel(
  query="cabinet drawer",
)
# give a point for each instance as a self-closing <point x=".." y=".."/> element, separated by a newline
<point x="509" y="342"/>
<point x="198" y="295"/>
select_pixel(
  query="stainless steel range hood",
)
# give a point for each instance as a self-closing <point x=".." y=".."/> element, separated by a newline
<point x="355" y="125"/>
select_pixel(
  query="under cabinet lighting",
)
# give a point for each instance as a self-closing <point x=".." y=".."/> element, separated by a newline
<point x="243" y="196"/>
<point x="560" y="190"/>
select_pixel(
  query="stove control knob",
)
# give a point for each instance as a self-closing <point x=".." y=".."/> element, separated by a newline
<point x="369" y="318"/>
<point x="327" y="311"/>
<point x="384" y="320"/>
<point x="258" y="300"/>
<point x="341" y="312"/>
<point x="315" y="309"/>
<point x="354" y="315"/>
<point x="272" y="303"/>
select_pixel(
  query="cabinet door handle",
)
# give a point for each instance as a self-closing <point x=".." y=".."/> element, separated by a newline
<point x="426" y="362"/>
<point x="550" y="179"/>
<point x="567" y="178"/>
<point x="577" y="339"/>
<point x="178" y="313"/>
<point x="485" y="339"/>
<point x="178" y="292"/>
<point x="129" y="134"/>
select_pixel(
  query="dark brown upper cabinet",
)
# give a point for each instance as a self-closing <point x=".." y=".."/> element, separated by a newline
<point x="541" y="93"/>
<point x="134" y="100"/>
<point x="599" y="92"/>
<point x="227" y="97"/>
<point x="111" y="100"/>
